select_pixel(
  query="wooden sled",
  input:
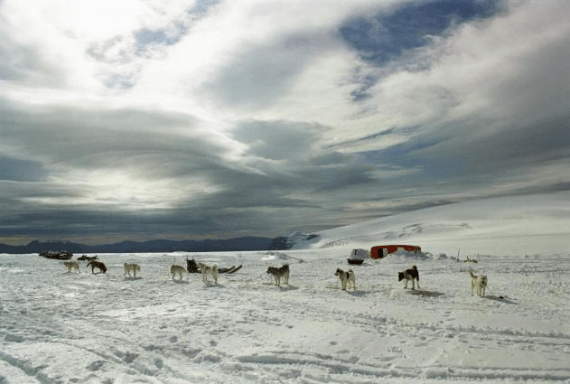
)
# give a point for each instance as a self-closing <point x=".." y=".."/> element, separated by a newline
<point x="192" y="267"/>
<point x="233" y="269"/>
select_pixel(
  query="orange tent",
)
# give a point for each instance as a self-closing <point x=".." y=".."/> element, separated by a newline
<point x="381" y="251"/>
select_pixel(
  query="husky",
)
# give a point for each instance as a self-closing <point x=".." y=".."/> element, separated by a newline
<point x="410" y="274"/>
<point x="97" y="264"/>
<point x="278" y="273"/>
<point x="131" y="267"/>
<point x="479" y="282"/>
<point x="72" y="265"/>
<point x="177" y="269"/>
<point x="346" y="277"/>
<point x="206" y="269"/>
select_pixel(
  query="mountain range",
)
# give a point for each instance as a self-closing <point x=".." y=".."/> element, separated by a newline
<point x="237" y="244"/>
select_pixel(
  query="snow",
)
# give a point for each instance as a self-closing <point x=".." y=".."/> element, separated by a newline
<point x="60" y="327"/>
<point x="507" y="225"/>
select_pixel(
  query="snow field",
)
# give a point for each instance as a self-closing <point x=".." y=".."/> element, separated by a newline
<point x="59" y="327"/>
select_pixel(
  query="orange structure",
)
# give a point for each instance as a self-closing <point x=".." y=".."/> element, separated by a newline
<point x="381" y="251"/>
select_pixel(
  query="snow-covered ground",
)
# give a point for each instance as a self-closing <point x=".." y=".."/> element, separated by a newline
<point x="59" y="327"/>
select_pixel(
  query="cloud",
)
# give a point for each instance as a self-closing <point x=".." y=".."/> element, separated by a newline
<point x="19" y="170"/>
<point x="199" y="118"/>
<point x="490" y="102"/>
<point x="406" y="26"/>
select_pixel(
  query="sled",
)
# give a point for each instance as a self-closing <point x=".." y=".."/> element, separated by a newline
<point x="64" y="255"/>
<point x="234" y="269"/>
<point x="192" y="267"/>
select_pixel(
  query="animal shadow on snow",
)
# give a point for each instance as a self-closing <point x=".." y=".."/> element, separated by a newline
<point x="421" y="292"/>
<point x="132" y="278"/>
<point x="358" y="292"/>
<point x="288" y="287"/>
<point x="283" y="287"/>
<point x="211" y="284"/>
<point x="501" y="299"/>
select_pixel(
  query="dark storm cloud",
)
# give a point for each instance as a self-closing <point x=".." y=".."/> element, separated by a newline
<point x="96" y="138"/>
<point x="283" y="162"/>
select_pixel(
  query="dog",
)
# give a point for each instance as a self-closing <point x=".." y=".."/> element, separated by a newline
<point x="206" y="269"/>
<point x="191" y="266"/>
<point x="410" y="274"/>
<point x="346" y="278"/>
<point x="278" y="273"/>
<point x="72" y="265"/>
<point x="177" y="269"/>
<point x="97" y="264"/>
<point x="479" y="282"/>
<point x="131" y="267"/>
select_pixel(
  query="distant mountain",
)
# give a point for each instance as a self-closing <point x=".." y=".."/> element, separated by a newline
<point x="294" y="240"/>
<point x="237" y="244"/>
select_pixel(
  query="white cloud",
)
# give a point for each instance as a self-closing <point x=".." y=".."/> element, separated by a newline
<point x="491" y="70"/>
<point x="258" y="106"/>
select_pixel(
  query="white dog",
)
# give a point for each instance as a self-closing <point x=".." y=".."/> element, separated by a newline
<point x="479" y="282"/>
<point x="206" y="269"/>
<point x="177" y="269"/>
<point x="346" y="277"/>
<point x="131" y="267"/>
<point x="72" y="265"/>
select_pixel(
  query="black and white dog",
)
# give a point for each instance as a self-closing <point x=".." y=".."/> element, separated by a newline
<point x="346" y="278"/>
<point x="278" y="273"/>
<point x="410" y="274"/>
<point x="479" y="282"/>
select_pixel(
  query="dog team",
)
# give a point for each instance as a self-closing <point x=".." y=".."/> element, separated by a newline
<point x="94" y="263"/>
<point x="347" y="278"/>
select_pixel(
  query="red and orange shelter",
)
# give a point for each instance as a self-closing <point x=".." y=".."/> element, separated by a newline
<point x="381" y="251"/>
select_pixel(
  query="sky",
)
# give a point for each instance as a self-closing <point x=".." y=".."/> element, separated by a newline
<point x="148" y="119"/>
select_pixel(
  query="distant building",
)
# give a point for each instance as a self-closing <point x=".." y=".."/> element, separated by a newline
<point x="380" y="251"/>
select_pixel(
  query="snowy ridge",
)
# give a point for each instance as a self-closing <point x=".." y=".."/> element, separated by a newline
<point x="507" y="225"/>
